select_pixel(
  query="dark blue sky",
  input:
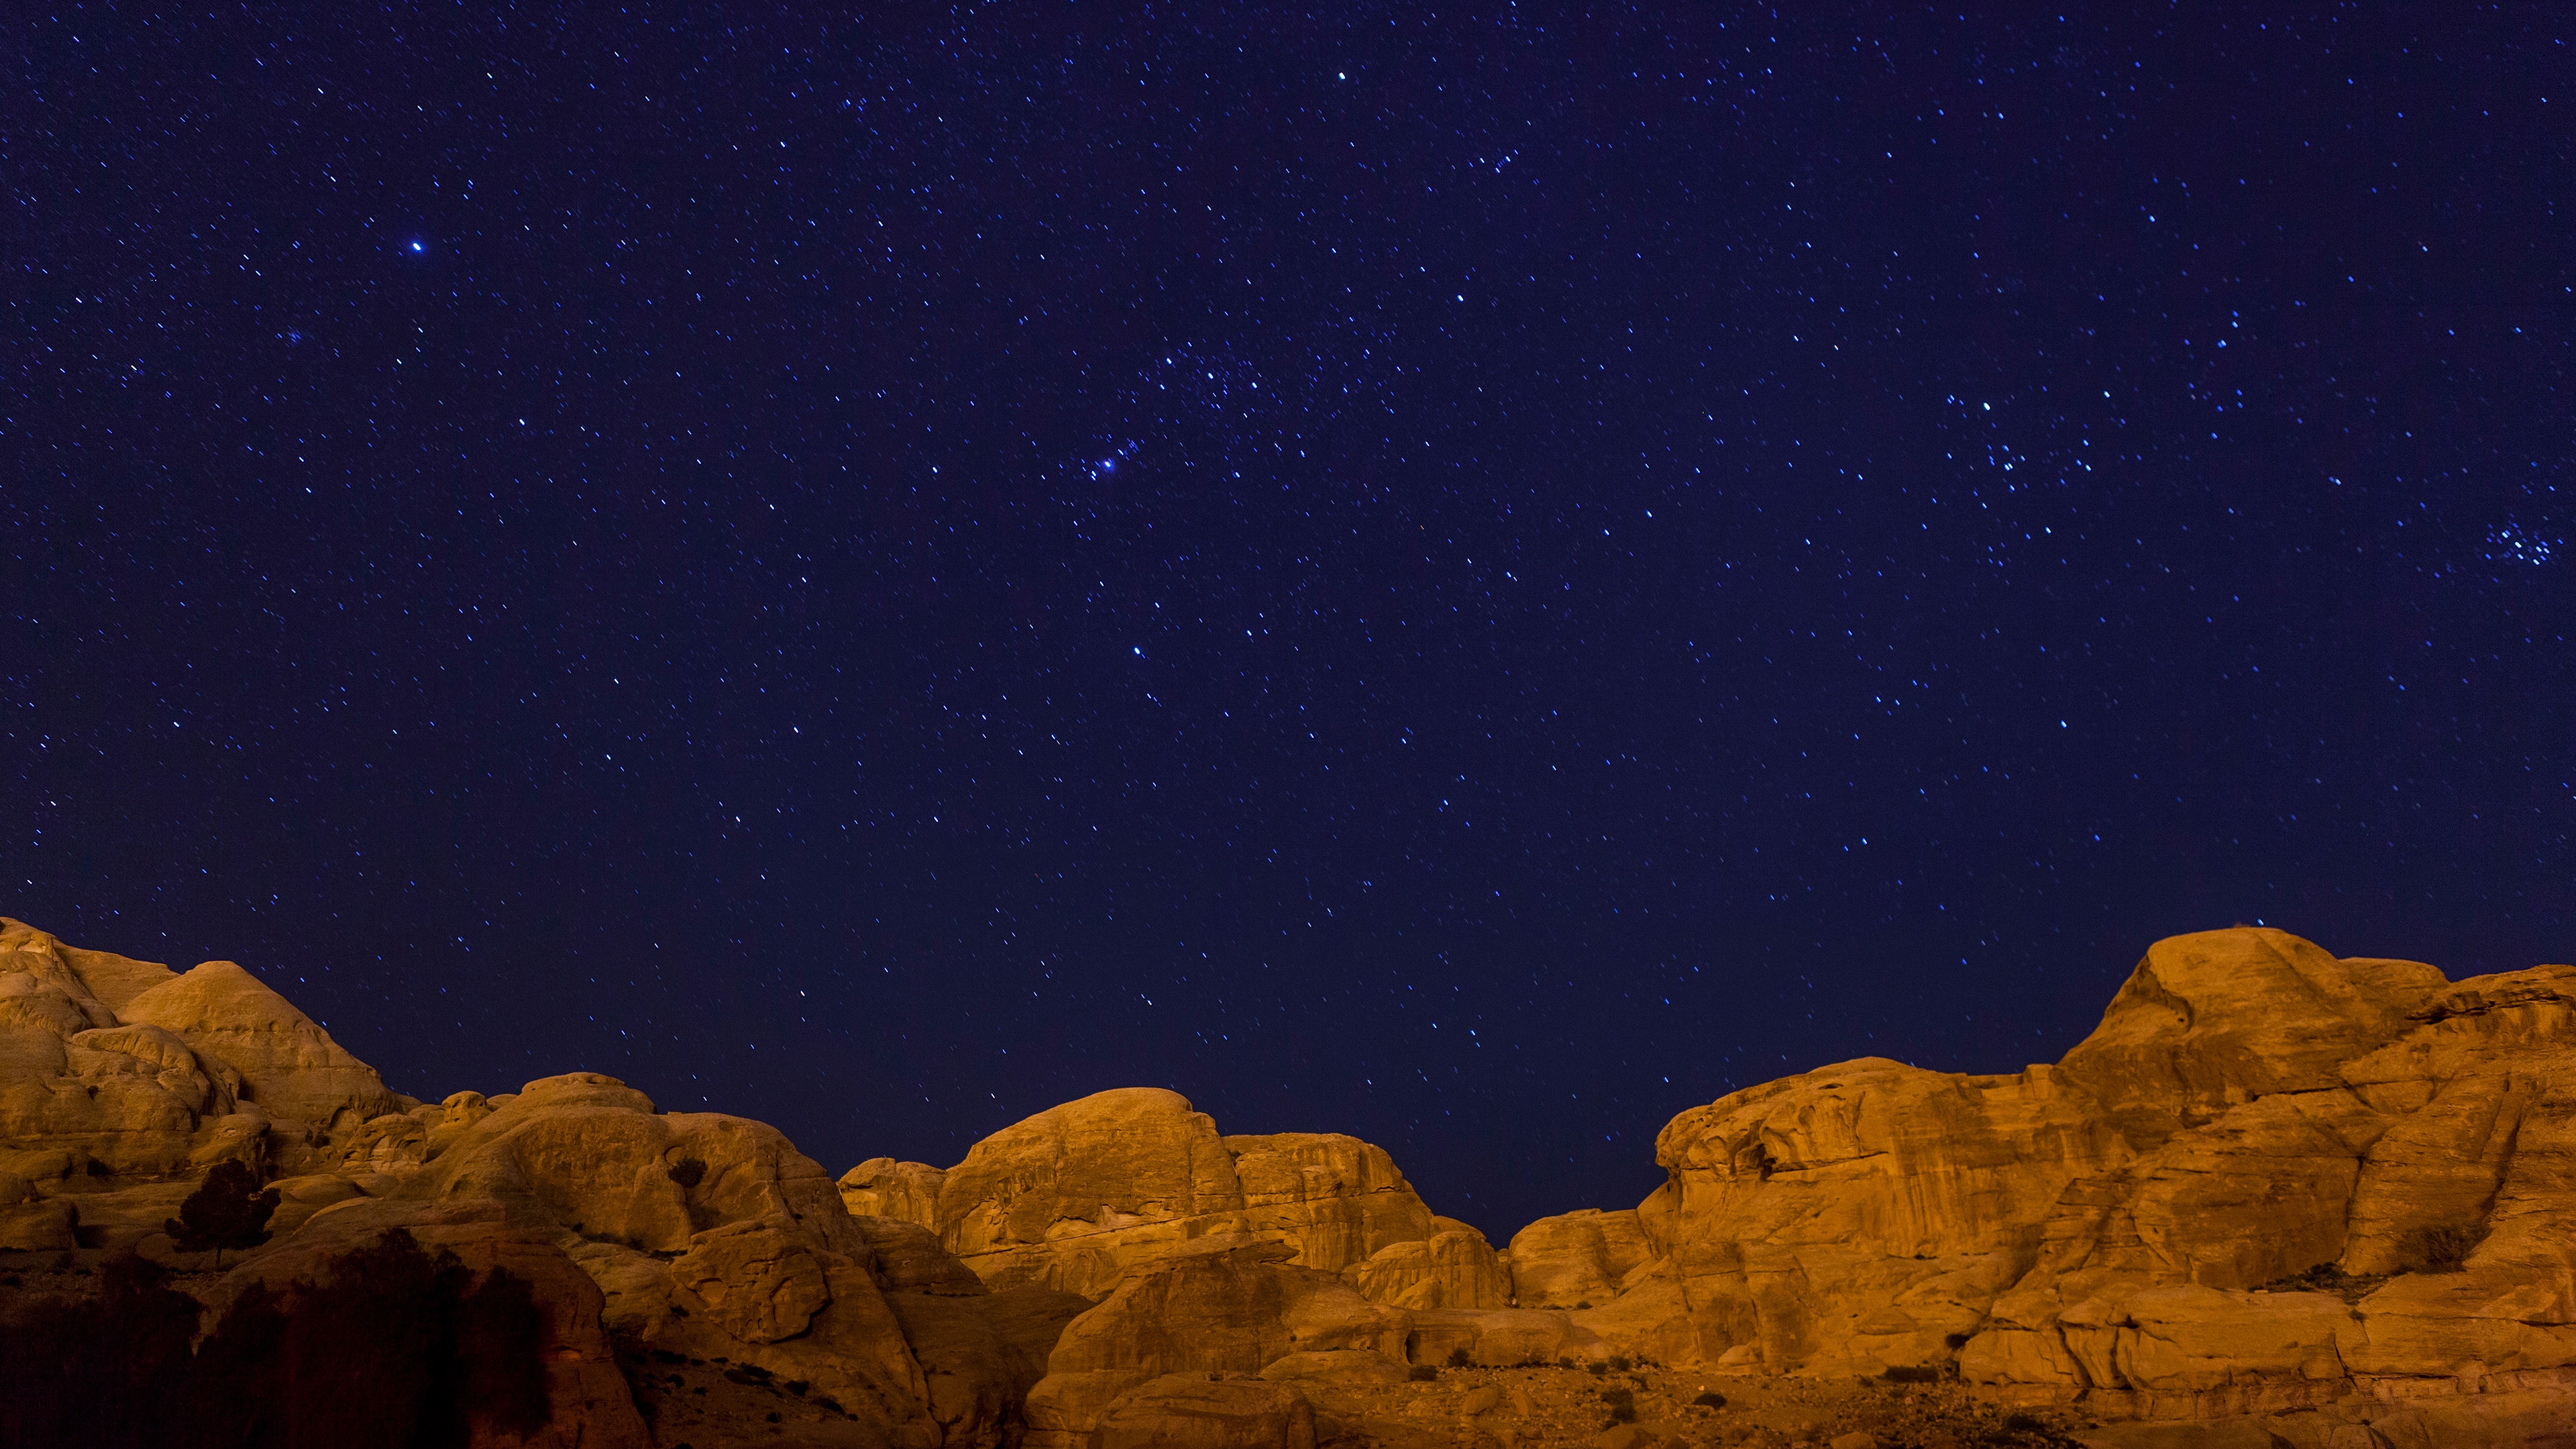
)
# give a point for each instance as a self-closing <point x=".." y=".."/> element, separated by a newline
<point x="1474" y="577"/>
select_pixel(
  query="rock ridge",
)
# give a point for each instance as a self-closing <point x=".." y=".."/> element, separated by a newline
<point x="2274" y="1193"/>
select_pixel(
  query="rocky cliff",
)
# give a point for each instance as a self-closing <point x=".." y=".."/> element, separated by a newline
<point x="2277" y="1194"/>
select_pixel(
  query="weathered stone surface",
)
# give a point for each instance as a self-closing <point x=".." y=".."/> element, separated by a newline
<point x="82" y="1089"/>
<point x="884" y="1188"/>
<point x="44" y="1225"/>
<point x="760" y="1283"/>
<point x="1337" y="1199"/>
<point x="588" y="1154"/>
<point x="1455" y="1269"/>
<point x="2119" y="1231"/>
<point x="2213" y="1020"/>
<point x="907" y="1257"/>
<point x="1075" y="1196"/>
<point x="769" y="1269"/>
<point x="1193" y="1411"/>
<point x="1335" y="1366"/>
<point x="1576" y="1258"/>
<point x="1229" y="1305"/>
<point x="288" y="1064"/>
<point x="1853" y="1218"/>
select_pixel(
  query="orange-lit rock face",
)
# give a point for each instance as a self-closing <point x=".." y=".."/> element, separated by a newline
<point x="1076" y="1196"/>
<point x="125" y="1068"/>
<point x="2271" y="1181"/>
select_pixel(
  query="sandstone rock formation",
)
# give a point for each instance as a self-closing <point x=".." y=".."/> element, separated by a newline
<point x="2275" y="1194"/>
<point x="1078" y="1195"/>
<point x="1231" y="1304"/>
<point x="2192" y="1215"/>
<point x="884" y="1188"/>
<point x="114" y="1069"/>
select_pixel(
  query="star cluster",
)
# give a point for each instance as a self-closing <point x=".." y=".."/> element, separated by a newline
<point x="1472" y="577"/>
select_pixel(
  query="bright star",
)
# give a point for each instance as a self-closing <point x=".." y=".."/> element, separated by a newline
<point x="420" y="246"/>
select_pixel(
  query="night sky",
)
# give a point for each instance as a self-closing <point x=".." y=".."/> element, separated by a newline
<point x="1471" y="577"/>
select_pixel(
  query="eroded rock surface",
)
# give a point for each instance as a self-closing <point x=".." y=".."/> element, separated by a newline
<point x="2277" y="1197"/>
<point x="1077" y="1196"/>
<point x="2271" y="1182"/>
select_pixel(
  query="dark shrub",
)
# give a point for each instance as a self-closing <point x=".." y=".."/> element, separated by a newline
<point x="1619" y="1362"/>
<point x="1623" y="1405"/>
<point x="2443" y="1249"/>
<point x="228" y="1210"/>
<point x="1423" y="1373"/>
<point x="1458" y="1358"/>
<point x="1597" y="1370"/>
<point x="1912" y="1374"/>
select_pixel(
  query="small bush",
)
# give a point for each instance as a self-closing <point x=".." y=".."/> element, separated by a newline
<point x="1619" y="1362"/>
<point x="1912" y="1374"/>
<point x="2023" y="1424"/>
<point x="1458" y="1358"/>
<point x="1623" y="1405"/>
<point x="1711" y="1400"/>
<point x="1597" y="1370"/>
<point x="1423" y="1373"/>
<point x="2443" y="1249"/>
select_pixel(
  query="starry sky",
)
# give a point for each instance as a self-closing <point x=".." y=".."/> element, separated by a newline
<point x="1471" y="576"/>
